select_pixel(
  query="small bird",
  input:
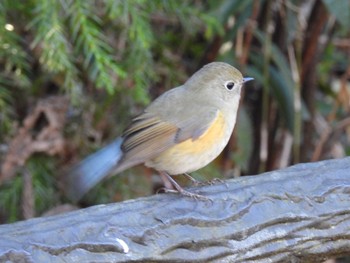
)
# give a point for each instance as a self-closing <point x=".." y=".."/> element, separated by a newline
<point x="181" y="131"/>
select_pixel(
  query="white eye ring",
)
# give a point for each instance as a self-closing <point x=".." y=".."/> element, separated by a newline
<point x="230" y="84"/>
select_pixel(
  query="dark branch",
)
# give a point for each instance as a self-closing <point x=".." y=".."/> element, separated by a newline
<point x="301" y="213"/>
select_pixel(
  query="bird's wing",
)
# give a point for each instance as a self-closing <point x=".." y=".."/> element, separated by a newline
<point x="150" y="134"/>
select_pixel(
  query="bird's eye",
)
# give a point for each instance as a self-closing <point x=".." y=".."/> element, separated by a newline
<point x="229" y="85"/>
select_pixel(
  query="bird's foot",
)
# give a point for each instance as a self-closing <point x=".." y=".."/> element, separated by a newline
<point x="206" y="183"/>
<point x="179" y="190"/>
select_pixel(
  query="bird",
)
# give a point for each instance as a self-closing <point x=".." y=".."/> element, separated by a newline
<point x="181" y="131"/>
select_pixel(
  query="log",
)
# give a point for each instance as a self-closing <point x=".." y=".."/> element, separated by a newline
<point x="298" y="214"/>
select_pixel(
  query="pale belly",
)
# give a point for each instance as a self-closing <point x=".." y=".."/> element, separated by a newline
<point x="191" y="155"/>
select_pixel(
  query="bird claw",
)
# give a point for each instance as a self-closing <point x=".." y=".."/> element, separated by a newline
<point x="188" y="194"/>
<point x="179" y="190"/>
<point x="206" y="183"/>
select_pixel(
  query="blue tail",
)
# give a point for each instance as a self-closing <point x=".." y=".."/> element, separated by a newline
<point x="92" y="170"/>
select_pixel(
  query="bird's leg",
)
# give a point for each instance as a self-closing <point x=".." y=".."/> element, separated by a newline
<point x="166" y="182"/>
<point x="178" y="189"/>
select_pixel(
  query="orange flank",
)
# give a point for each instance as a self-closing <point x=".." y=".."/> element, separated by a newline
<point x="193" y="153"/>
<point x="206" y="141"/>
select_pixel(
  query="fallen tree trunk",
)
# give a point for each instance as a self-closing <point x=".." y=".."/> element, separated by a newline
<point x="301" y="213"/>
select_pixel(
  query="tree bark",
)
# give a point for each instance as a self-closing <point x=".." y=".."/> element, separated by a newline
<point x="298" y="214"/>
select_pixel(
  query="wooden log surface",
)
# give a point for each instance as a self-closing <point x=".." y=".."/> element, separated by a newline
<point x="298" y="214"/>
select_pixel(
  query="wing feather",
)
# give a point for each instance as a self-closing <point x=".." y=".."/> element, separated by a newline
<point x="146" y="138"/>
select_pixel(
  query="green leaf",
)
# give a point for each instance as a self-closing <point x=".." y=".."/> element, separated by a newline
<point x="340" y="9"/>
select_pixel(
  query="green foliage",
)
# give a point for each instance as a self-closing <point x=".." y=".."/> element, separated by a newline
<point x="10" y="200"/>
<point x="44" y="187"/>
<point x="141" y="28"/>
<point x="91" y="43"/>
<point x="226" y="9"/>
<point x="14" y="73"/>
<point x="44" y="183"/>
<point x="112" y="49"/>
<point x="340" y="10"/>
<point x="50" y="38"/>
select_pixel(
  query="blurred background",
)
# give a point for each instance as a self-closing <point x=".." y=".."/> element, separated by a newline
<point x="74" y="72"/>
